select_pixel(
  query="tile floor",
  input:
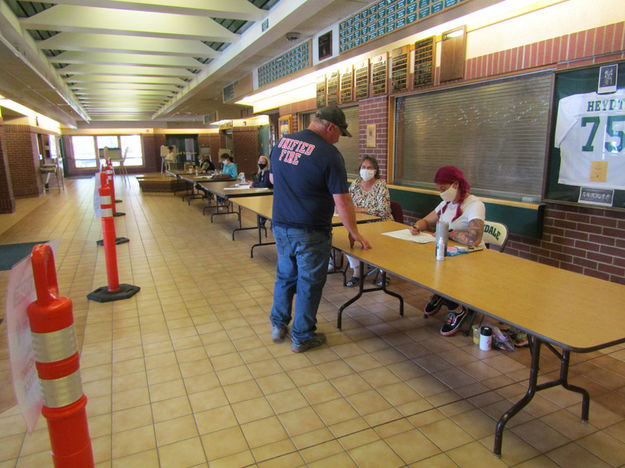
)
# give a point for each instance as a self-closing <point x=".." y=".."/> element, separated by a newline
<point x="184" y="374"/>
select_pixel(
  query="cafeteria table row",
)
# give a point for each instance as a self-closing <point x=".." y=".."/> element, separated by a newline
<point x="263" y="208"/>
<point x="562" y="310"/>
<point x="228" y="191"/>
<point x="192" y="180"/>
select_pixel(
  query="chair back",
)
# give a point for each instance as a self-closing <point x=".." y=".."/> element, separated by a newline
<point x="495" y="234"/>
<point x="397" y="212"/>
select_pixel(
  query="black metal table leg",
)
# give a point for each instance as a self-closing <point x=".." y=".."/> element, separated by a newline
<point x="564" y="375"/>
<point x="260" y="236"/>
<point x="519" y="405"/>
<point x="361" y="290"/>
<point x="394" y="294"/>
<point x="339" y="319"/>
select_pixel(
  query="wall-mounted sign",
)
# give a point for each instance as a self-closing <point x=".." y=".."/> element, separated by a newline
<point x="595" y="196"/>
<point x="371" y="136"/>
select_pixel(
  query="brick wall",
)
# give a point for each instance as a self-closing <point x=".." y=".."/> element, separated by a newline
<point x="7" y="200"/>
<point x="68" y="159"/>
<point x="20" y="146"/>
<point x="374" y="111"/>
<point x="245" y="141"/>
<point x="212" y="140"/>
<point x="585" y="240"/>
<point x="596" y="45"/>
<point x="151" y="148"/>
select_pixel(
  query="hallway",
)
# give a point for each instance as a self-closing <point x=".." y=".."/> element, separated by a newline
<point x="185" y="374"/>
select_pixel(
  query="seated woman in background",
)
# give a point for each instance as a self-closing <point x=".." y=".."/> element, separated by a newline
<point x="261" y="180"/>
<point x="370" y="195"/>
<point x="206" y="164"/>
<point x="228" y="166"/>
<point x="465" y="214"/>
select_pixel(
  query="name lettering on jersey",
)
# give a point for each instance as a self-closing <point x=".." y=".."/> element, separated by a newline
<point x="604" y="105"/>
<point x="293" y="149"/>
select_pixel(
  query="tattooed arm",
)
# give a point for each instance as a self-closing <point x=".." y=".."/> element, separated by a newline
<point x="471" y="237"/>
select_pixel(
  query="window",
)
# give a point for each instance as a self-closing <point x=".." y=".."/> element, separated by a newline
<point x="84" y="152"/>
<point x="495" y="132"/>
<point x="349" y="146"/>
<point x="85" y="149"/>
<point x="53" y="148"/>
<point x="131" y="147"/>
<point x="107" y="141"/>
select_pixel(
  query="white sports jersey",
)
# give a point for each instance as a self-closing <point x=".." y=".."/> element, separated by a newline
<point x="590" y="132"/>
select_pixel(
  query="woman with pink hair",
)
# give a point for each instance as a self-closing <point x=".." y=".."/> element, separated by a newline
<point x="465" y="214"/>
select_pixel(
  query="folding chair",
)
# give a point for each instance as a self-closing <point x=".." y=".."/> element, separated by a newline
<point x="495" y="235"/>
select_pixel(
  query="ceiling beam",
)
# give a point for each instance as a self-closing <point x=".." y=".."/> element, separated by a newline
<point x="126" y="22"/>
<point x="106" y="58"/>
<point x="232" y="9"/>
<point x="127" y="86"/>
<point x="124" y="44"/>
<point x="78" y="69"/>
<point x="122" y="93"/>
<point x="87" y="78"/>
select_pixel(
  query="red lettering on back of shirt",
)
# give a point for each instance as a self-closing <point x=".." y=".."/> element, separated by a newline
<point x="292" y="150"/>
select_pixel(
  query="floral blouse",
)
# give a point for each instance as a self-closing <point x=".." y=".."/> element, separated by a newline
<point x="377" y="201"/>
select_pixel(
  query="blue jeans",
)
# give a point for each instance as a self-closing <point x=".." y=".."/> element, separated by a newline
<point x="302" y="268"/>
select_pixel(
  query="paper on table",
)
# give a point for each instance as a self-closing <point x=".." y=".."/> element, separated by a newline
<point x="238" y="187"/>
<point x="421" y="238"/>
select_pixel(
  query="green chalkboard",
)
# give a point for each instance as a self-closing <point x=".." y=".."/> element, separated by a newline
<point x="578" y="81"/>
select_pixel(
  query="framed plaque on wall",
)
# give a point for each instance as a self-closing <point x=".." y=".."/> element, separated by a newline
<point x="321" y="92"/>
<point x="361" y="78"/>
<point x="347" y="84"/>
<point x="424" y="61"/>
<point x="399" y="68"/>
<point x="379" y="74"/>
<point x="332" y="89"/>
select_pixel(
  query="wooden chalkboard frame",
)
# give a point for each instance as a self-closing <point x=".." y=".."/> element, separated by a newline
<point x="567" y="83"/>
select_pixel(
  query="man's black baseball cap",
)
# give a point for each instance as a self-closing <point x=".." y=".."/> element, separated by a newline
<point x="336" y="116"/>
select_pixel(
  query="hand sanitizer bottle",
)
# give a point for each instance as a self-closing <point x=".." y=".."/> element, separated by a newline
<point x="442" y="235"/>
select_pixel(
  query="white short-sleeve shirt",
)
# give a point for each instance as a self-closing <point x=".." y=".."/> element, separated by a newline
<point x="471" y="207"/>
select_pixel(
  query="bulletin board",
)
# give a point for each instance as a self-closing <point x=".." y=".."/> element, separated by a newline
<point x="589" y="166"/>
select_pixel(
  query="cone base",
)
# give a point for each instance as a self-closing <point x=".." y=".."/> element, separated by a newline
<point x="118" y="240"/>
<point x="103" y="294"/>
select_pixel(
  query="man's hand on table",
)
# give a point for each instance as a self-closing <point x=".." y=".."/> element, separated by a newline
<point x="361" y="240"/>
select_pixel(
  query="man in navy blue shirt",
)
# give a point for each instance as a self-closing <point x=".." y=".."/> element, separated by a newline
<point x="309" y="178"/>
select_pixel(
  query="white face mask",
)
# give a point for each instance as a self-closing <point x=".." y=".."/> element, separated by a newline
<point x="367" y="174"/>
<point x="449" y="195"/>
